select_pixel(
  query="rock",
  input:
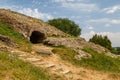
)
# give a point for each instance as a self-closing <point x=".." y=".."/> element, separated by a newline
<point x="7" y="41"/>
<point x="41" y="49"/>
<point x="25" y="25"/>
<point x="50" y="65"/>
<point x="33" y="59"/>
<point x="3" y="48"/>
<point x="66" y="71"/>
<point x="43" y="52"/>
<point x="67" y="42"/>
<point x="82" y="54"/>
<point x="73" y="43"/>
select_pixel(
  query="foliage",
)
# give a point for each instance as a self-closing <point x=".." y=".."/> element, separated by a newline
<point x="66" y="25"/>
<point x="16" y="69"/>
<point x="103" y="41"/>
<point x="6" y="29"/>
<point x="65" y="53"/>
<point x="99" y="61"/>
<point x="116" y="50"/>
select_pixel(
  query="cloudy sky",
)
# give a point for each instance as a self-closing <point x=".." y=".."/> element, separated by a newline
<point x="93" y="16"/>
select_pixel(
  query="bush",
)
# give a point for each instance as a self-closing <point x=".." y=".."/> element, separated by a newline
<point x="66" y="25"/>
<point x="101" y="40"/>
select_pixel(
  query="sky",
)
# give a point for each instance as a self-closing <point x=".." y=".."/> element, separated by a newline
<point x="93" y="16"/>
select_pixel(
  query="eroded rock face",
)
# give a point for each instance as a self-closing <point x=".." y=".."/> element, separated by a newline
<point x="27" y="25"/>
<point x="82" y="54"/>
<point x="77" y="44"/>
<point x="7" y="41"/>
<point x="73" y="43"/>
<point x="36" y="31"/>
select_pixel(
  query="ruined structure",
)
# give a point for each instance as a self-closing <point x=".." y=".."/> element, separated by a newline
<point x="36" y="31"/>
<point x="33" y="29"/>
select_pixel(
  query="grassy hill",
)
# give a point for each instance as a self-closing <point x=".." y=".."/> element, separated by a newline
<point x="6" y="30"/>
<point x="98" y="61"/>
<point x="17" y="68"/>
<point x="12" y="68"/>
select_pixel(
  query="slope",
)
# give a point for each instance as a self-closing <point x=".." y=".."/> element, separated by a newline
<point x="58" y="56"/>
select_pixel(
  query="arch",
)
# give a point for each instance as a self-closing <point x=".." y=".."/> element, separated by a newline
<point x="37" y="37"/>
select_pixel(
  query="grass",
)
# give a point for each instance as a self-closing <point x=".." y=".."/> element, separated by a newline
<point x="6" y="29"/>
<point x="99" y="61"/>
<point x="11" y="68"/>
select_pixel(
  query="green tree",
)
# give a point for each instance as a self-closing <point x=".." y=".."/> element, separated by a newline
<point x="101" y="40"/>
<point x="66" y="25"/>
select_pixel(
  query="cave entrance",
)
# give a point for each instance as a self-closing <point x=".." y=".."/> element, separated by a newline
<point x="37" y="37"/>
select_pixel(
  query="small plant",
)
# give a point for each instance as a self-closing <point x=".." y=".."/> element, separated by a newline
<point x="98" y="61"/>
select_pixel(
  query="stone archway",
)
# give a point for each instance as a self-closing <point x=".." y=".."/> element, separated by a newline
<point x="37" y="37"/>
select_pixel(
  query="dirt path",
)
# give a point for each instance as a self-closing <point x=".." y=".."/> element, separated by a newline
<point x="56" y="65"/>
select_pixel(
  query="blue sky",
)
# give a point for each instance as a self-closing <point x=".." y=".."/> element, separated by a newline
<point x="93" y="16"/>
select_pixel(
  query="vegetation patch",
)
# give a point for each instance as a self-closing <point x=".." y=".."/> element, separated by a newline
<point x="6" y="30"/>
<point x="14" y="69"/>
<point x="66" y="25"/>
<point x="99" y="61"/>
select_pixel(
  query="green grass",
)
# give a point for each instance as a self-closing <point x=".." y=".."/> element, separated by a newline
<point x="98" y="61"/>
<point x="11" y="68"/>
<point x="6" y="29"/>
<point x="65" y="53"/>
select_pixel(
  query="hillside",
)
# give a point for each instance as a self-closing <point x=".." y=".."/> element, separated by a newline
<point x="29" y="46"/>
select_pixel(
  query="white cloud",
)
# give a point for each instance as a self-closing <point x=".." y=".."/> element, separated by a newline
<point x="106" y="20"/>
<point x="30" y="12"/>
<point x="80" y="6"/>
<point x="12" y="7"/>
<point x="114" y="37"/>
<point x="107" y="25"/>
<point x="35" y="13"/>
<point x="58" y="0"/>
<point x="89" y="27"/>
<point x="77" y="5"/>
<point x="111" y="10"/>
<point x="113" y="21"/>
<point x="66" y="1"/>
<point x="75" y="17"/>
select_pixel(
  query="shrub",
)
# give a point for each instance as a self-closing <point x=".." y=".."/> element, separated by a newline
<point x="66" y="25"/>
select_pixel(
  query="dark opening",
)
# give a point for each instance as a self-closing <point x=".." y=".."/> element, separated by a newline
<point x="37" y="37"/>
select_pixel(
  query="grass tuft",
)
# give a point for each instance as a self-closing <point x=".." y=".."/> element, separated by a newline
<point x="99" y="61"/>
<point x="14" y="69"/>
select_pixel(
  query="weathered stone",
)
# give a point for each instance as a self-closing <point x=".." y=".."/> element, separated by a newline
<point x="73" y="43"/>
<point x="43" y="52"/>
<point x="27" y="25"/>
<point x="66" y="71"/>
<point x="67" y="42"/>
<point x="2" y="48"/>
<point x="7" y="41"/>
<point x="82" y="54"/>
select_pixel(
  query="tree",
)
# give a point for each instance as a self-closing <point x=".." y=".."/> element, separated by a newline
<point x="101" y="40"/>
<point x="66" y="25"/>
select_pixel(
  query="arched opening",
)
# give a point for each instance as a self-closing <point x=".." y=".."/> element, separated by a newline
<point x="37" y="37"/>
